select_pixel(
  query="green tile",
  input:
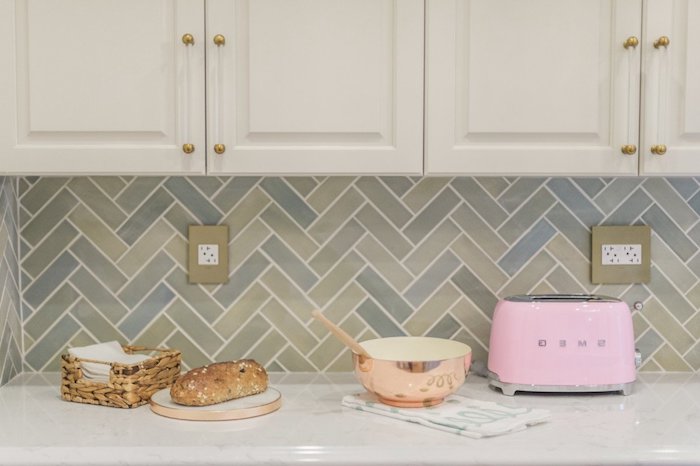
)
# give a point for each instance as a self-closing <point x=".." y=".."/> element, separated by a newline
<point x="529" y="276"/>
<point x="192" y="356"/>
<point x="470" y="317"/>
<point x="198" y="299"/>
<point x="98" y="295"/>
<point x="293" y="361"/>
<point x="304" y="185"/>
<point x="671" y="266"/>
<point x="52" y="214"/>
<point x="344" y="239"/>
<point x="148" y="277"/>
<point x="479" y="352"/>
<point x="96" y="231"/>
<point x="328" y="191"/>
<point x="386" y="264"/>
<point x="294" y="299"/>
<point x="98" y="264"/>
<point x="177" y="250"/>
<point x="95" y="323"/>
<point x="145" y="247"/>
<point x="97" y="201"/>
<point x="693" y="357"/>
<point x="157" y="333"/>
<point x="339" y="309"/>
<point x="266" y="350"/>
<point x="138" y="190"/>
<point x="470" y="253"/>
<point x="471" y="224"/>
<point x="283" y="225"/>
<point x="248" y="333"/>
<point x="111" y="185"/>
<point x="526" y="216"/>
<point x="424" y="191"/>
<point x="578" y="266"/>
<point x="664" y="323"/>
<point x="47" y="315"/>
<point x="250" y="239"/>
<point x="494" y="185"/>
<point x="336" y="279"/>
<point x="671" y="202"/>
<point x="53" y="245"/>
<point x="437" y="241"/>
<point x="38" y="195"/>
<point x="563" y="282"/>
<point x="243" y="309"/>
<point x="384" y="200"/>
<point x="294" y="331"/>
<point x="194" y="327"/>
<point x="383" y="231"/>
<point x="670" y="360"/>
<point x="336" y="215"/>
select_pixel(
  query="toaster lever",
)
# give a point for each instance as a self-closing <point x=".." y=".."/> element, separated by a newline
<point x="637" y="358"/>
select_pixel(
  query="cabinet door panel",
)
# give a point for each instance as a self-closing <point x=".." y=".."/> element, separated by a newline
<point x="316" y="86"/>
<point x="105" y="86"/>
<point x="541" y="87"/>
<point x="671" y="98"/>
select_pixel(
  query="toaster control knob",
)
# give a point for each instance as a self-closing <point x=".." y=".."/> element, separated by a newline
<point x="638" y="306"/>
<point x="637" y="358"/>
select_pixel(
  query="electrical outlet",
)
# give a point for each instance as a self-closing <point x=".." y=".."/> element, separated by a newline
<point x="208" y="253"/>
<point x="621" y="254"/>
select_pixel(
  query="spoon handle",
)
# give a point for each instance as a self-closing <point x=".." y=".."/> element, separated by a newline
<point x="347" y="340"/>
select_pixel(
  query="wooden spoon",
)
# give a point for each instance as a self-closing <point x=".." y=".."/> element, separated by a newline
<point x="347" y="340"/>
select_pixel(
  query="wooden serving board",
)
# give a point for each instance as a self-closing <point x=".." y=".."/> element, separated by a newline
<point x="242" y="408"/>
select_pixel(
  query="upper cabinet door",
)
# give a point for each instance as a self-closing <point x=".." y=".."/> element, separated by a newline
<point x="671" y="98"/>
<point x="315" y="86"/>
<point x="101" y="86"/>
<point x="532" y="87"/>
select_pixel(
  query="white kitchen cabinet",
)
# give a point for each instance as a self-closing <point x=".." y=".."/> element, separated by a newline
<point x="293" y="86"/>
<point x="671" y="92"/>
<point x="101" y="86"/>
<point x="315" y="86"/>
<point x="532" y="87"/>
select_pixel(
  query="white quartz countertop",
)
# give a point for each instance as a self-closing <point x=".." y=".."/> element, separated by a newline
<point x="658" y="424"/>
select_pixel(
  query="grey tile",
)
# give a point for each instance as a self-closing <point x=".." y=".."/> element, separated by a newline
<point x="328" y="191"/>
<point x="569" y="195"/>
<point x="235" y="189"/>
<point x="53" y="342"/>
<point x="297" y="334"/>
<point x="91" y="227"/>
<point x="671" y="202"/>
<point x="141" y="252"/>
<point x="684" y="186"/>
<point x="289" y="201"/>
<point x="336" y="215"/>
<point x="479" y="232"/>
<point x="383" y="262"/>
<point x="384" y="200"/>
<point x="51" y="311"/>
<point x="143" y="282"/>
<point x="669" y="232"/>
<point x="473" y="319"/>
<point x="444" y="328"/>
<point x="563" y="282"/>
<point x="38" y="194"/>
<point x="193" y="200"/>
<point x="480" y="201"/>
<point x="98" y="264"/>
<point x="294" y="361"/>
<point x="248" y="304"/>
<point x="285" y="227"/>
<point x="241" y="279"/>
<point x="52" y="278"/>
<point x="629" y="211"/>
<point x="194" y="327"/>
<point x="374" y="316"/>
<point x="54" y="244"/>
<point x="139" y="189"/>
<point x="97" y="201"/>
<point x="434" y="245"/>
<point x="517" y="193"/>
<point x="344" y="239"/>
<point x="111" y="185"/>
<point x="208" y="185"/>
<point x="304" y="185"/>
<point x="671" y="266"/>
<point x="399" y="185"/>
<point x="384" y="232"/>
<point x="94" y="322"/>
<point x="494" y="185"/>
<point x="145" y="313"/>
<point x="192" y="356"/>
<point x="529" y="279"/>
<point x="674" y="301"/>
<point x="526" y="247"/>
<point x="614" y="193"/>
<point x="52" y="214"/>
<point x="475" y="291"/>
<point x="590" y="186"/>
<point x="145" y="215"/>
<point x="251" y="332"/>
<point x="529" y="213"/>
<point x="487" y="271"/>
<point x="431" y="216"/>
<point x="423" y="191"/>
<point x="293" y="298"/>
<point x="267" y="348"/>
<point x="432" y="278"/>
<point x="177" y="217"/>
<point x="336" y="280"/>
<point x="648" y="343"/>
<point x="384" y="295"/>
<point x="578" y="234"/>
<point x="285" y="259"/>
<point x="194" y="295"/>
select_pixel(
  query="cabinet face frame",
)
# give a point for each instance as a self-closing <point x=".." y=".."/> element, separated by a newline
<point x="153" y="108"/>
<point x="671" y="88"/>
<point x="257" y="81"/>
<point x="453" y="147"/>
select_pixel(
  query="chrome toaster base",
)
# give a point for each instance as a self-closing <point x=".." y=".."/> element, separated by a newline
<point x="509" y="389"/>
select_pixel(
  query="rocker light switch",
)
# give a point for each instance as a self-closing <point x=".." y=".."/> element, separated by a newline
<point x="208" y="253"/>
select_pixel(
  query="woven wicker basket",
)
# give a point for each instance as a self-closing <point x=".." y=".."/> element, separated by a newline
<point x="129" y="385"/>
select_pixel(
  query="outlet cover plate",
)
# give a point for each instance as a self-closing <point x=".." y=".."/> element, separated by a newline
<point x="214" y="237"/>
<point x="615" y="236"/>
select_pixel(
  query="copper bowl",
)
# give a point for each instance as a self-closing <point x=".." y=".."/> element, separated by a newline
<point x="412" y="372"/>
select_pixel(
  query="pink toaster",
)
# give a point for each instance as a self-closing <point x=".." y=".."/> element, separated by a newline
<point x="562" y="343"/>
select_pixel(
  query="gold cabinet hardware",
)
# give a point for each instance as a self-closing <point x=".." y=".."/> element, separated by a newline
<point x="631" y="41"/>
<point x="658" y="149"/>
<point x="219" y="148"/>
<point x="629" y="149"/>
<point x="662" y="41"/>
<point x="188" y="39"/>
<point x="188" y="148"/>
<point x="219" y="40"/>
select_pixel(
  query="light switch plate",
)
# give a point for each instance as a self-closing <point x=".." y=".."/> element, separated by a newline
<point x="208" y="253"/>
<point x="621" y="254"/>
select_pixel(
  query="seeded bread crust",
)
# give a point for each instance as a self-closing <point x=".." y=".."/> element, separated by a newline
<point x="219" y="382"/>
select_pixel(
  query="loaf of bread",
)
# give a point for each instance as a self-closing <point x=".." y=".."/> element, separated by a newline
<point x="219" y="382"/>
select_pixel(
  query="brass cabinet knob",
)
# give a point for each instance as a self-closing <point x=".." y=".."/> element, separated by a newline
<point x="662" y="41"/>
<point x="629" y="149"/>
<point x="631" y="41"/>
<point x="188" y="39"/>
<point x="219" y="148"/>
<point x="658" y="149"/>
<point x="188" y="148"/>
<point x="219" y="40"/>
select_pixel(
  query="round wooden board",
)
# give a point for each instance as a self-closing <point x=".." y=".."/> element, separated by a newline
<point x="242" y="408"/>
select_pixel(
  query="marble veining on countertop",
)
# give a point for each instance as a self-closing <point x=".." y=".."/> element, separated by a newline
<point x="658" y="424"/>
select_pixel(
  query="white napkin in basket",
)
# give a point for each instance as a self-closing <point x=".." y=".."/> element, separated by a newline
<point x="109" y="352"/>
<point x="457" y="414"/>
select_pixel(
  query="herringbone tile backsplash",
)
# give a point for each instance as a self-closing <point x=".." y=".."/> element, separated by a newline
<point x="10" y="322"/>
<point x="104" y="258"/>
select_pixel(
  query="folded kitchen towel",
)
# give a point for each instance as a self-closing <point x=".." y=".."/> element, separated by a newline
<point x="108" y="352"/>
<point x="457" y="414"/>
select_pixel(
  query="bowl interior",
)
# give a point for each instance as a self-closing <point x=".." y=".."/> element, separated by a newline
<point x="415" y="349"/>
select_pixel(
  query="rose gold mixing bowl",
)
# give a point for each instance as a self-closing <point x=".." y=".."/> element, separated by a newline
<point x="412" y="372"/>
